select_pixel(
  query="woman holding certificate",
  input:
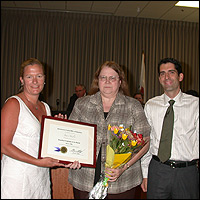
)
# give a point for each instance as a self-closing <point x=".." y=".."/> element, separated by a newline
<point x="109" y="103"/>
<point x="23" y="176"/>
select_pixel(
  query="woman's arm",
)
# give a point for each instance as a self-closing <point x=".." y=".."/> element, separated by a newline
<point x="138" y="155"/>
<point x="113" y="174"/>
<point x="9" y="122"/>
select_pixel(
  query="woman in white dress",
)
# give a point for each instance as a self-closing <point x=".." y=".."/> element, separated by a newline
<point x="23" y="175"/>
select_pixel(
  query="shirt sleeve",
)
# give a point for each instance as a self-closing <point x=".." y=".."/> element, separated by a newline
<point x="145" y="160"/>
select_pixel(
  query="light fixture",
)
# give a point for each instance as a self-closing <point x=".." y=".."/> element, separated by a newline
<point x="194" y="4"/>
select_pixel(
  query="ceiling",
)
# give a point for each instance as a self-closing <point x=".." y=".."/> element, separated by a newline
<point x="165" y="10"/>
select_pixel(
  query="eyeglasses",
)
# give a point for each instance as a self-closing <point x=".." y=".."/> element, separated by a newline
<point x="110" y="78"/>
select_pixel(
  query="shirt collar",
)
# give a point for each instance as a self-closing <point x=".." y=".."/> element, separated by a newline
<point x="96" y="99"/>
<point x="177" y="98"/>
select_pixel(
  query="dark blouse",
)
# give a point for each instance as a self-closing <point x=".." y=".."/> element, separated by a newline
<point x="98" y="163"/>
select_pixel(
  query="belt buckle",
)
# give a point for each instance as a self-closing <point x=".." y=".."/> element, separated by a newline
<point x="173" y="164"/>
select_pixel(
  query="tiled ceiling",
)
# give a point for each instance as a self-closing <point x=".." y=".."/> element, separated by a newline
<point x="165" y="10"/>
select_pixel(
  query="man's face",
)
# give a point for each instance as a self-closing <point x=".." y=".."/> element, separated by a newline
<point x="169" y="78"/>
<point x="80" y="91"/>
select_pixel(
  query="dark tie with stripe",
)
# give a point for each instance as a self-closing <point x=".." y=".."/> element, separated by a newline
<point x="164" y="151"/>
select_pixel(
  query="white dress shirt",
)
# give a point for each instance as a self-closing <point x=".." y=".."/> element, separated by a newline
<point x="185" y="141"/>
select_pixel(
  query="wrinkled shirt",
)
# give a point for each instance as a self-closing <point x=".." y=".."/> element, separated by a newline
<point x="185" y="141"/>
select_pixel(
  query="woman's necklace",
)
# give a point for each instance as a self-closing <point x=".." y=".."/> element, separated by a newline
<point x="35" y="106"/>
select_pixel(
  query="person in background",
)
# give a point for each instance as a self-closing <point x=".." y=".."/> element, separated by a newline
<point x="177" y="177"/>
<point x="23" y="175"/>
<point x="192" y="92"/>
<point x="140" y="97"/>
<point x="109" y="102"/>
<point x="80" y="91"/>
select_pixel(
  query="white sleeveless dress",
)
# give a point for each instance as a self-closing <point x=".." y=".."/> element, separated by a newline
<point x="20" y="180"/>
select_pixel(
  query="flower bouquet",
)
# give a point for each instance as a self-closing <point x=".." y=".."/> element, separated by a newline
<point x="123" y="143"/>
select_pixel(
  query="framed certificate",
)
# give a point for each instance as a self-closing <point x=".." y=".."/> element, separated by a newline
<point x="68" y="140"/>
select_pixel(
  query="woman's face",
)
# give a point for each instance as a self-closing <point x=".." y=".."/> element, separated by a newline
<point x="33" y="79"/>
<point x="109" y="82"/>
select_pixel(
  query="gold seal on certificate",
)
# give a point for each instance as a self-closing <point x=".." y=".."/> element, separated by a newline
<point x="63" y="149"/>
<point x="68" y="140"/>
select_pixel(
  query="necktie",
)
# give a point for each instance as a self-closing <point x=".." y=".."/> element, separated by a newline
<point x="164" y="151"/>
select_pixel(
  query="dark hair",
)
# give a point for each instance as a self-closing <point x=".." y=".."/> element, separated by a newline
<point x="113" y="65"/>
<point x="173" y="61"/>
<point x="192" y="92"/>
<point x="139" y="93"/>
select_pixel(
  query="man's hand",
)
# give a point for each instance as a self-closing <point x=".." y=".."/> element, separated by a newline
<point x="144" y="185"/>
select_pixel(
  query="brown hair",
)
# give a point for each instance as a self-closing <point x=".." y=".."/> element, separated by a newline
<point x="124" y="85"/>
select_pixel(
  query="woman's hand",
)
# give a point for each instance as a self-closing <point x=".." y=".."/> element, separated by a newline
<point x="51" y="162"/>
<point x="61" y="116"/>
<point x="74" y="165"/>
<point x="113" y="174"/>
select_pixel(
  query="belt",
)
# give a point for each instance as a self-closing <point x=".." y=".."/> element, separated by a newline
<point x="177" y="164"/>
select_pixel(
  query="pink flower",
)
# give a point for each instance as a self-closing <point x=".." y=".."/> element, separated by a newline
<point x="114" y="127"/>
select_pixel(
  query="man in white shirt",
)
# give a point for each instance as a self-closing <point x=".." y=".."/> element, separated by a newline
<point x="178" y="177"/>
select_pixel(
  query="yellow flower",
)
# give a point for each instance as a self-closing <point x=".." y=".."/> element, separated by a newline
<point x="109" y="127"/>
<point x="133" y="142"/>
<point x="124" y="136"/>
<point x="116" y="131"/>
